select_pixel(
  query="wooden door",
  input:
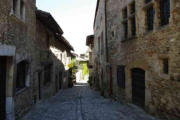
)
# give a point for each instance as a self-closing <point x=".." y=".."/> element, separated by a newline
<point x="138" y="87"/>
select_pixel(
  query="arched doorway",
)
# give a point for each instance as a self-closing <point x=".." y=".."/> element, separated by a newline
<point x="138" y="87"/>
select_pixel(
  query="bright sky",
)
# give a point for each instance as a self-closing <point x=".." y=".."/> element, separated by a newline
<point x="75" y="17"/>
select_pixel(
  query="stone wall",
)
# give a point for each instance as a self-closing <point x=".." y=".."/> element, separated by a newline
<point x="147" y="51"/>
<point x="100" y="48"/>
<point x="20" y="34"/>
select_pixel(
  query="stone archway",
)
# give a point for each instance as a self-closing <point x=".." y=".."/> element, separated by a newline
<point x="138" y="86"/>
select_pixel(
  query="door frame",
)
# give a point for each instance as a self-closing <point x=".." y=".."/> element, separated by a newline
<point x="9" y="52"/>
<point x="143" y="73"/>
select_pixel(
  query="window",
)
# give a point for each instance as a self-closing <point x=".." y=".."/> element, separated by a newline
<point x="125" y="25"/>
<point x="165" y="66"/>
<point x="150" y="18"/>
<point x="125" y="22"/>
<point x="22" y="10"/>
<point x="22" y="70"/>
<point x="132" y="8"/>
<point x="98" y="44"/>
<point x="102" y="43"/>
<point x="125" y="14"/>
<point x="47" y="74"/>
<point x="133" y="26"/>
<point x="15" y="6"/>
<point x="19" y="9"/>
<point x="148" y="1"/>
<point x="133" y="19"/>
<point x="164" y="12"/>
<point x="121" y="76"/>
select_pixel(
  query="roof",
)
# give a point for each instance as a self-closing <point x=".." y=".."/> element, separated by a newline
<point x="48" y="20"/>
<point x="74" y="54"/>
<point x="66" y="43"/>
<point x="89" y="39"/>
<point x="97" y="6"/>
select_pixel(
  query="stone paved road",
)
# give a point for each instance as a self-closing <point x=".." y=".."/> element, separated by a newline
<point x="82" y="103"/>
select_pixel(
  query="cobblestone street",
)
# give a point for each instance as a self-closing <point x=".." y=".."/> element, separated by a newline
<point x="82" y="103"/>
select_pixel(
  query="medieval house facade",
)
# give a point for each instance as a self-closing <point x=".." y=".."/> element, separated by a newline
<point x="142" y="44"/>
<point x="31" y="66"/>
<point x="90" y="44"/>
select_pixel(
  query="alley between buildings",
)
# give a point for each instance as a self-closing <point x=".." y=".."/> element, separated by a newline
<point x="83" y="103"/>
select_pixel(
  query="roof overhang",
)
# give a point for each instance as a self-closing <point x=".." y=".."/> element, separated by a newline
<point x="89" y="40"/>
<point x="48" y="20"/>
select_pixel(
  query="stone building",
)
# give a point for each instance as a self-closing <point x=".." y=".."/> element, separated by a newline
<point x="52" y="51"/>
<point x="25" y="59"/>
<point x="142" y="47"/>
<point x="82" y="74"/>
<point x="18" y="26"/>
<point x="100" y="51"/>
<point x="90" y="44"/>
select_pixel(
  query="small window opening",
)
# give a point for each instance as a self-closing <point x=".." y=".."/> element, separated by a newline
<point x="150" y="18"/>
<point x="166" y="66"/>
<point x="121" y="76"/>
<point x="22" y="70"/>
<point x="15" y="6"/>
<point x="164" y="12"/>
<point x="132" y="8"/>
<point x="148" y="1"/>
<point x="102" y="43"/>
<point x="126" y="29"/>
<point x="133" y="26"/>
<point x="22" y="10"/>
<point x="125" y="13"/>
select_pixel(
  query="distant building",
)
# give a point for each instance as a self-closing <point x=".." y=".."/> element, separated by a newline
<point x="90" y="44"/>
<point x="82" y="62"/>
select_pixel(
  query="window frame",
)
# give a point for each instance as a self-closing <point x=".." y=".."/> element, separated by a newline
<point x="121" y="80"/>
<point x="164" y="17"/>
<point x="150" y="22"/>
<point x="21" y="82"/>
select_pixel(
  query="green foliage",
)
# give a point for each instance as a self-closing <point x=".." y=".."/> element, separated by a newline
<point x="85" y="69"/>
<point x="73" y="66"/>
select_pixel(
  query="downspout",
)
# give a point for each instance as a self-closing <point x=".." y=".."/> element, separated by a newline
<point x="107" y="52"/>
<point x="105" y="10"/>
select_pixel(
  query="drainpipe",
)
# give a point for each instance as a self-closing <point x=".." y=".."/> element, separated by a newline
<point x="107" y="54"/>
<point x="105" y="10"/>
